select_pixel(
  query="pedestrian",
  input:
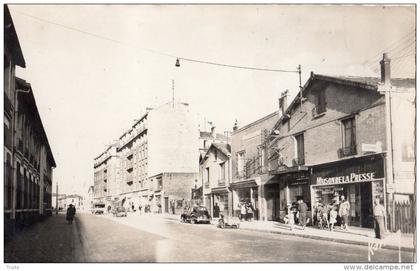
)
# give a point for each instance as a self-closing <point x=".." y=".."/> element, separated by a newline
<point x="379" y="214"/>
<point x="289" y="219"/>
<point x="71" y="212"/>
<point x="302" y="208"/>
<point x="140" y="207"/>
<point x="333" y="217"/>
<point x="173" y="206"/>
<point x="243" y="211"/>
<point x="216" y="210"/>
<point x="343" y="212"/>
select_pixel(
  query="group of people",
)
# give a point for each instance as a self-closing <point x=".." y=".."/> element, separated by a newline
<point x="247" y="211"/>
<point x="327" y="215"/>
<point x="300" y="212"/>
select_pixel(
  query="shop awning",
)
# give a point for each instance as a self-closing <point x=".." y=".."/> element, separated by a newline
<point x="286" y="170"/>
<point x="244" y="184"/>
<point x="217" y="190"/>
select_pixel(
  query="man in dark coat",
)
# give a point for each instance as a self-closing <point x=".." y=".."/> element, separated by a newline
<point x="216" y="210"/>
<point x="302" y="208"/>
<point x="71" y="212"/>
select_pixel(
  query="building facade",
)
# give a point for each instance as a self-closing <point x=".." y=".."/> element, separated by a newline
<point x="106" y="176"/>
<point x="334" y="140"/>
<point x="249" y="165"/>
<point x="28" y="160"/>
<point x="157" y="160"/>
<point x="215" y="175"/>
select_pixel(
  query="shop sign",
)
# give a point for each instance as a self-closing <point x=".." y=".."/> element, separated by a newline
<point x="351" y="178"/>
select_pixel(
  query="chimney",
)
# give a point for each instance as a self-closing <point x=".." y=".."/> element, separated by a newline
<point x="385" y="70"/>
<point x="213" y="132"/>
<point x="283" y="103"/>
<point x="235" y="126"/>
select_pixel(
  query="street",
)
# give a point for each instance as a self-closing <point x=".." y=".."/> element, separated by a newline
<point x="148" y="238"/>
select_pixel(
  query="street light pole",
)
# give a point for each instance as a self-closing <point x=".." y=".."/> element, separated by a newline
<point x="56" y="199"/>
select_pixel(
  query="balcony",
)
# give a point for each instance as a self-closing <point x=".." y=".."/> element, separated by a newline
<point x="298" y="161"/>
<point x="347" y="151"/>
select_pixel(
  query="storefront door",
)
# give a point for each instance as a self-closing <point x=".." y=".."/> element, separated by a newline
<point x="273" y="202"/>
<point x="366" y="204"/>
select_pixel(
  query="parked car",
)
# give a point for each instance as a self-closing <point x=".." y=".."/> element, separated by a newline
<point x="119" y="211"/>
<point x="196" y="214"/>
<point x="98" y="209"/>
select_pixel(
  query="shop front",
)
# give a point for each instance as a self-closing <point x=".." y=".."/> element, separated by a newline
<point x="245" y="194"/>
<point x="220" y="199"/>
<point x="286" y="188"/>
<point x="360" y="180"/>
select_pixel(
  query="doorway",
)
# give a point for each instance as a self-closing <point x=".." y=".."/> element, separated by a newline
<point x="366" y="204"/>
<point x="273" y="202"/>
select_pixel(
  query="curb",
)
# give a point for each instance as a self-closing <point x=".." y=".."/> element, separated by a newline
<point x="315" y="237"/>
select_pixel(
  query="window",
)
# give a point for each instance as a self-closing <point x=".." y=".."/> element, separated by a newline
<point x="207" y="177"/>
<point x="241" y="162"/>
<point x="349" y="136"/>
<point x="300" y="150"/>
<point x="321" y="103"/>
<point x="222" y="170"/>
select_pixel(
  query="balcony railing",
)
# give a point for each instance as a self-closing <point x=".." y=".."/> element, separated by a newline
<point x="347" y="151"/>
<point x="298" y="161"/>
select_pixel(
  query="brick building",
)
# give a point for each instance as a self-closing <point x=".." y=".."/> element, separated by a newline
<point x="28" y="160"/>
<point x="334" y="140"/>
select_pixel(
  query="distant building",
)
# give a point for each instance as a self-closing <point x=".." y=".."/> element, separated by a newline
<point x="75" y="200"/>
<point x="215" y="176"/>
<point x="157" y="160"/>
<point x="28" y="158"/>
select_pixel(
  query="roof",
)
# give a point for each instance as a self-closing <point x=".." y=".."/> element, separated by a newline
<point x="275" y="113"/>
<point x="30" y="100"/>
<point x="368" y="83"/>
<point x="11" y="40"/>
<point x="223" y="148"/>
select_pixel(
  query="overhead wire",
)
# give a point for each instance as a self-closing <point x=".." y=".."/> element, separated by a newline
<point x="155" y="51"/>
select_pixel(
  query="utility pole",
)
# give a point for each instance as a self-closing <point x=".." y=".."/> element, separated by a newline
<point x="56" y="198"/>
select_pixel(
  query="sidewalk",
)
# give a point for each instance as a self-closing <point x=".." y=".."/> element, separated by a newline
<point x="355" y="235"/>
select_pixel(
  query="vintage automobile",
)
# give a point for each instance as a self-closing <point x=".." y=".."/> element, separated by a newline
<point x="196" y="214"/>
<point x="98" y="209"/>
<point x="119" y="211"/>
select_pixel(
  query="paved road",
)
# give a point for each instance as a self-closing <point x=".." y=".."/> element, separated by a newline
<point x="154" y="239"/>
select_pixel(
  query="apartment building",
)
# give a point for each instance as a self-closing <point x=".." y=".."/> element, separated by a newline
<point x="157" y="159"/>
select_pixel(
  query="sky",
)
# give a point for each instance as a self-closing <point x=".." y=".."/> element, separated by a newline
<point x="95" y="68"/>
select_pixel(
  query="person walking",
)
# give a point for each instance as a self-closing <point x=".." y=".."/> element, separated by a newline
<point x="343" y="212"/>
<point x="71" y="212"/>
<point x="216" y="210"/>
<point x="333" y="217"/>
<point x="243" y="211"/>
<point x="379" y="214"/>
<point x="302" y="208"/>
